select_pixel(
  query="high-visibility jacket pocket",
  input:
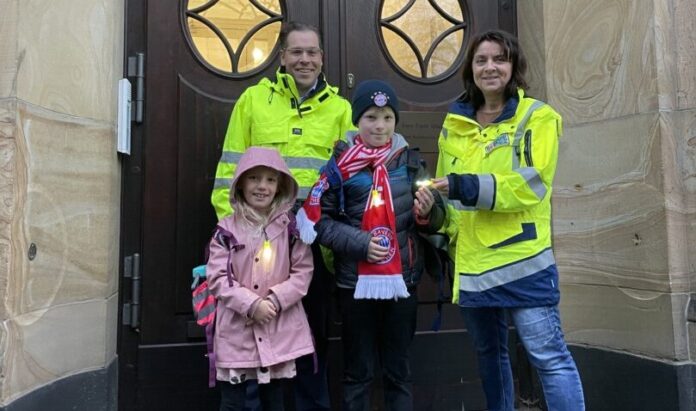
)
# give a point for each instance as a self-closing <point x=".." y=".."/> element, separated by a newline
<point x="320" y="135"/>
<point x="269" y="134"/>
<point x="495" y="230"/>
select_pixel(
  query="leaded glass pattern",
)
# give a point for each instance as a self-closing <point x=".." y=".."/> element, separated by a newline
<point x="424" y="38"/>
<point x="233" y="37"/>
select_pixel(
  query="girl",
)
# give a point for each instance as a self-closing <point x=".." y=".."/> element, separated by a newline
<point x="261" y="327"/>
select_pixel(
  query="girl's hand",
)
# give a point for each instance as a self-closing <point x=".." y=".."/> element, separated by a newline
<point x="423" y="202"/>
<point x="375" y="251"/>
<point x="442" y="185"/>
<point x="264" y="312"/>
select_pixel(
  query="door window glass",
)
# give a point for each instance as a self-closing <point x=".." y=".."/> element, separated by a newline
<point x="424" y="38"/>
<point x="233" y="37"/>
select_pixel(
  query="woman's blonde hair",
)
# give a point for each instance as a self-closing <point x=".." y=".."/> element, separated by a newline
<point x="253" y="218"/>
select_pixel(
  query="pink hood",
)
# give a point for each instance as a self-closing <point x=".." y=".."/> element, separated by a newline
<point x="268" y="157"/>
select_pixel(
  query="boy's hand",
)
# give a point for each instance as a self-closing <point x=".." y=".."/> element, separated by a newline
<point x="264" y="312"/>
<point x="375" y="251"/>
<point x="423" y="202"/>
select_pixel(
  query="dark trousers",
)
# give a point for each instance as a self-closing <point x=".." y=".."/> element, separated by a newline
<point x="233" y="396"/>
<point x="312" y="388"/>
<point x="377" y="329"/>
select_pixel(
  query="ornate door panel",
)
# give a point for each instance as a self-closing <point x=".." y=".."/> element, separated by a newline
<point x="418" y="46"/>
<point x="199" y="55"/>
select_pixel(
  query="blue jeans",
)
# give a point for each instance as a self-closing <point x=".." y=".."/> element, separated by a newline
<point x="539" y="329"/>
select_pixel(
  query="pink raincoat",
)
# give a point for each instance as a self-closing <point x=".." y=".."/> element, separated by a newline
<point x="286" y="337"/>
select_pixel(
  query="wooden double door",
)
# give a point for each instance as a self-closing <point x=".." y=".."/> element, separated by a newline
<point x="167" y="217"/>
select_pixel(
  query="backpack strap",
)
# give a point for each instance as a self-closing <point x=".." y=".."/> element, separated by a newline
<point x="293" y="231"/>
<point x="229" y="241"/>
<point x="414" y="162"/>
<point x="210" y="347"/>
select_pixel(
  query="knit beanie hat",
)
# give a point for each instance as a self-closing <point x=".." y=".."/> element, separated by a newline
<point x="373" y="93"/>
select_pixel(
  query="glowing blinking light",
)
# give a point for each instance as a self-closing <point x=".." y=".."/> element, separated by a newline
<point x="266" y="252"/>
<point x="376" y="199"/>
<point x="424" y="183"/>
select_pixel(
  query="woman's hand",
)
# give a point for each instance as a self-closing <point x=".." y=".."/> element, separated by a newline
<point x="423" y="202"/>
<point x="442" y="185"/>
<point x="375" y="251"/>
<point x="264" y="312"/>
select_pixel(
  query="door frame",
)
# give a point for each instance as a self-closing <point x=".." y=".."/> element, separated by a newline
<point x="135" y="24"/>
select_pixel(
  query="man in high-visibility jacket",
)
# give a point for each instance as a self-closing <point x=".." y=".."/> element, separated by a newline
<point x="298" y="113"/>
<point x="302" y="116"/>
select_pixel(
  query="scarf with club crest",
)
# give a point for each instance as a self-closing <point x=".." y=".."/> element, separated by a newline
<point x="383" y="279"/>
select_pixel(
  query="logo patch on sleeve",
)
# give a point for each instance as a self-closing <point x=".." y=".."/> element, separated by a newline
<point x="297" y="131"/>
<point x="501" y="141"/>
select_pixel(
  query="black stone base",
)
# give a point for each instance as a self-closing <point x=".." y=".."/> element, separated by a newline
<point x="619" y="381"/>
<point x="93" y="390"/>
<point x="612" y="380"/>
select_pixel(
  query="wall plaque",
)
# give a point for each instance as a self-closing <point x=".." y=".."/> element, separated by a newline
<point x="422" y="129"/>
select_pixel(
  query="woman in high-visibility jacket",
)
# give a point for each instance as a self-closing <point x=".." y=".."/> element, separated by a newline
<point x="497" y="158"/>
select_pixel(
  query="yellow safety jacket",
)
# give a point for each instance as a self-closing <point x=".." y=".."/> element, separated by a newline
<point x="499" y="211"/>
<point x="271" y="114"/>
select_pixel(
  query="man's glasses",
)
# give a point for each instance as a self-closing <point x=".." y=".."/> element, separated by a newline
<point x="298" y="51"/>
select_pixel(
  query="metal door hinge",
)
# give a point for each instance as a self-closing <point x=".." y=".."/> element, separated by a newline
<point x="131" y="309"/>
<point x="136" y="69"/>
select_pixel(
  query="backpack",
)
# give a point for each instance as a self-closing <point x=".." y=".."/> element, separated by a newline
<point x="204" y="303"/>
<point x="440" y="267"/>
<point x="438" y="264"/>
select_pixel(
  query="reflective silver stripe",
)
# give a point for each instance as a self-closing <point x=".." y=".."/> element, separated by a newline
<point x="222" y="183"/>
<point x="292" y="162"/>
<point x="230" y="157"/>
<point x="207" y="310"/>
<point x="200" y="297"/>
<point x="506" y="274"/>
<point x="533" y="180"/>
<point x="302" y="192"/>
<point x="444" y="132"/>
<point x="486" y="193"/>
<point x="519" y="133"/>
<point x="305" y="162"/>
<point x="457" y="205"/>
<point x="226" y="182"/>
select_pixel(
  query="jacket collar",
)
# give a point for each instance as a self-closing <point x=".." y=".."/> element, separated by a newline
<point x="466" y="109"/>
<point x="398" y="144"/>
<point x="286" y="82"/>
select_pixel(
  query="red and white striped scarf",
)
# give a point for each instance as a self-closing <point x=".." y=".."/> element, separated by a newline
<point x="383" y="279"/>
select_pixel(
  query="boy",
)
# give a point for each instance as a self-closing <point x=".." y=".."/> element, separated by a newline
<point x="367" y="211"/>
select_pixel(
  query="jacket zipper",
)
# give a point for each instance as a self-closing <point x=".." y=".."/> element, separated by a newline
<point x="410" y="255"/>
<point x="528" y="148"/>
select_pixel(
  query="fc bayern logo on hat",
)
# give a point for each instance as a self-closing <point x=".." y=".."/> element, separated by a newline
<point x="380" y="99"/>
